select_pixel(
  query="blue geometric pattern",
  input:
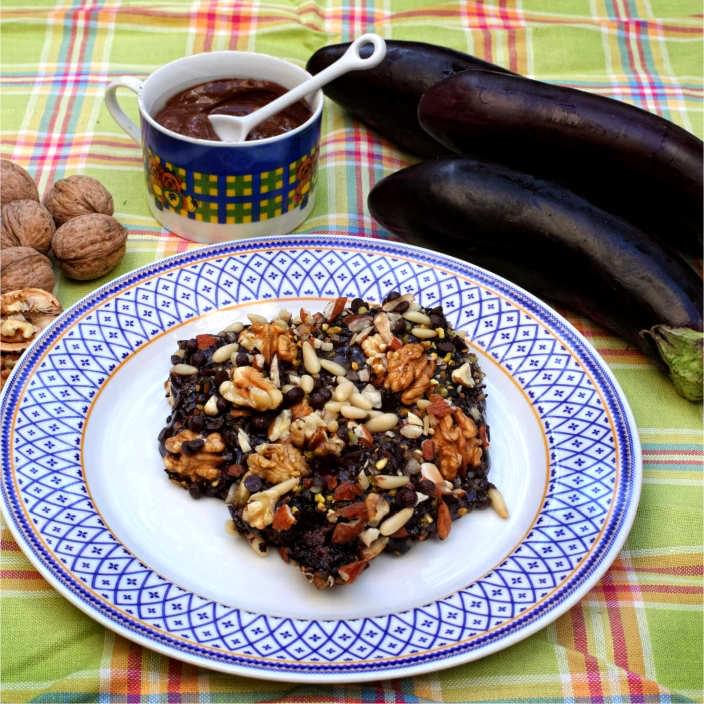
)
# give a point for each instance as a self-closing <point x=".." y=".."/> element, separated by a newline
<point x="593" y="455"/>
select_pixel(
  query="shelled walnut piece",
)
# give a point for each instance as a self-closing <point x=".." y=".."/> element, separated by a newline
<point x="200" y="458"/>
<point x="23" y="314"/>
<point x="457" y="444"/>
<point x="277" y="462"/>
<point x="248" y="387"/>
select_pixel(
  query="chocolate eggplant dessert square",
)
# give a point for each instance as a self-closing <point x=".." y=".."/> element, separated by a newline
<point x="333" y="437"/>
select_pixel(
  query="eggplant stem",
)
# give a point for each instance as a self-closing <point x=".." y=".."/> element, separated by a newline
<point x="681" y="351"/>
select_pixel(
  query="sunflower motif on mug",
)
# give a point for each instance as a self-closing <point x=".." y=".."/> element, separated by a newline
<point x="305" y="175"/>
<point x="168" y="188"/>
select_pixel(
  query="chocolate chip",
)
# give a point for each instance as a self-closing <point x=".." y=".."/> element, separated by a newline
<point x="192" y="446"/>
<point x="195" y="423"/>
<point x="260" y="423"/>
<point x="391" y="296"/>
<point x="253" y="484"/>
<point x="320" y="397"/>
<point x="425" y="486"/>
<point x="293" y="396"/>
<point x="356" y="304"/>
<point x="445" y="346"/>
<point x="459" y="343"/>
<point x="242" y="359"/>
<point x="400" y="328"/>
<point x="406" y="497"/>
<point x="437" y="320"/>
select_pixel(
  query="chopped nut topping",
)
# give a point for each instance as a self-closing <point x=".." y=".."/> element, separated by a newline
<point x="372" y="345"/>
<point x="277" y="462"/>
<point x="249" y="388"/>
<point x="259" y="511"/>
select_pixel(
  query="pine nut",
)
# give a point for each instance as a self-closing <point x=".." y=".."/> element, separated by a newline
<point x="211" y="407"/>
<point x="369" y="536"/>
<point x="376" y="548"/>
<point x="310" y="358"/>
<point x="333" y="367"/>
<point x="382" y="423"/>
<point x="422" y="403"/>
<point x="356" y="399"/>
<point x="411" y="431"/>
<point x="497" y="502"/>
<point x="415" y="316"/>
<point x="333" y="407"/>
<point x="307" y="383"/>
<point x="184" y="370"/>
<point x="463" y="375"/>
<point x="396" y="522"/>
<point x="353" y="412"/>
<point x="222" y="354"/>
<point x="256" y="318"/>
<point x="284" y="315"/>
<point x="234" y="327"/>
<point x="243" y="441"/>
<point x="390" y="481"/>
<point x="423" y="333"/>
<point x="413" y="419"/>
<point x="429" y="471"/>
<point x="343" y="391"/>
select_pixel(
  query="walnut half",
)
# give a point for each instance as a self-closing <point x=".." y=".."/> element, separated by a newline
<point x="277" y="462"/>
<point x="250" y="388"/>
<point x="201" y="461"/>
<point x="457" y="444"/>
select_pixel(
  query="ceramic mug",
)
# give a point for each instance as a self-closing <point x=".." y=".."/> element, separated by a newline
<point x="211" y="191"/>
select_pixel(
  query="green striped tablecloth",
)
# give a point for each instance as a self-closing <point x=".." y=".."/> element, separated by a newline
<point x="637" y="636"/>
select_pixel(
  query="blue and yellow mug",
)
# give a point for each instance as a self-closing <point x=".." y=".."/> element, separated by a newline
<point x="210" y="191"/>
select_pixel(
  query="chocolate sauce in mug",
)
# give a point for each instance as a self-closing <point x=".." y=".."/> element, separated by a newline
<point x="187" y="112"/>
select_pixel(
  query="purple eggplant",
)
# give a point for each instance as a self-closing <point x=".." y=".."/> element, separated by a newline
<point x="558" y="246"/>
<point x="626" y="160"/>
<point x="386" y="97"/>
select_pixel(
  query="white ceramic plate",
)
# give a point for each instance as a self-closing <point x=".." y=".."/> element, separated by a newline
<point x="86" y="498"/>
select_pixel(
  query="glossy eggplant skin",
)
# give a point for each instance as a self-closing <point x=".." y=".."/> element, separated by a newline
<point x="623" y="159"/>
<point x="549" y="241"/>
<point x="386" y="97"/>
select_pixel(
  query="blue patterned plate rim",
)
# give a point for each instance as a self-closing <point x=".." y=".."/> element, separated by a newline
<point x="373" y="650"/>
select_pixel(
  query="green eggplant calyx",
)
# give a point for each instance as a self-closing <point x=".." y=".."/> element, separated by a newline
<point x="681" y="350"/>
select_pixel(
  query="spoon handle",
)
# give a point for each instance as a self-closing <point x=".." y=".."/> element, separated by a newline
<point x="349" y="61"/>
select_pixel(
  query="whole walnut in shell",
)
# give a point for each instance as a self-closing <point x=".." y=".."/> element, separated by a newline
<point x="77" y="195"/>
<point x="22" y="267"/>
<point x="15" y="183"/>
<point x="27" y="223"/>
<point x="89" y="246"/>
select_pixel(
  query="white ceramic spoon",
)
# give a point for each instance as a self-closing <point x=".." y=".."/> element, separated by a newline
<point x="231" y="128"/>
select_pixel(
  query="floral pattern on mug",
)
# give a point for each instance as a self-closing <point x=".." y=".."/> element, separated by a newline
<point x="168" y="187"/>
<point x="306" y="172"/>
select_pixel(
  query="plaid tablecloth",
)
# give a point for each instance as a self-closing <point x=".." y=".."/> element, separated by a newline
<point x="637" y="636"/>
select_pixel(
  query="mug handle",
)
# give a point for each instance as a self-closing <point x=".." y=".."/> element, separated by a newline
<point x="118" y="114"/>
